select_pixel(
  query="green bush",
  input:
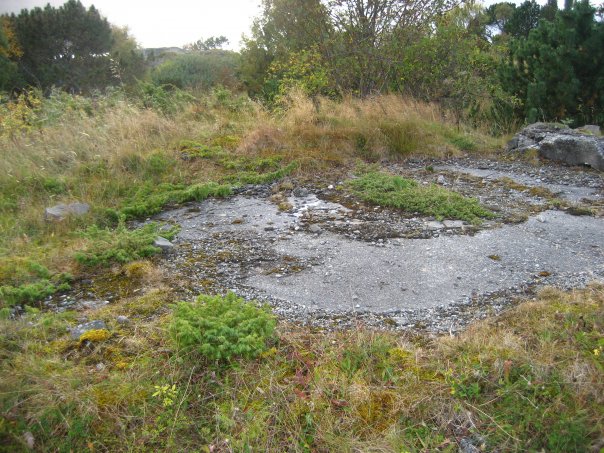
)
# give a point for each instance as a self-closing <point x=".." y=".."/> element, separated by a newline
<point x="167" y="99"/>
<point x="23" y="281"/>
<point x="198" y="70"/>
<point x="222" y="328"/>
<point x="120" y="245"/>
<point x="394" y="191"/>
<point x="150" y="198"/>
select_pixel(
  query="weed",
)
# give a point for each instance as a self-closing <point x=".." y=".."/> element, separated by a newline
<point x="462" y="142"/>
<point x="262" y="178"/>
<point x="24" y="281"/>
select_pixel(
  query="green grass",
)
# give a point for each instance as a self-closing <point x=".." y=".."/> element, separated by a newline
<point x="405" y="194"/>
<point x="532" y="380"/>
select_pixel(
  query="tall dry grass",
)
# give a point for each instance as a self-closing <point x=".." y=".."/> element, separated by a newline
<point x="100" y="156"/>
<point x="373" y="129"/>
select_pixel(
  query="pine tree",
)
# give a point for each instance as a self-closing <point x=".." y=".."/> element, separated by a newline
<point x="66" y="46"/>
<point x="558" y="70"/>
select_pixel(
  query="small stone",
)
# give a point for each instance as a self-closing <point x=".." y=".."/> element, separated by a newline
<point x="540" y="218"/>
<point x="330" y="187"/>
<point x="29" y="440"/>
<point x="455" y="224"/>
<point x="300" y="192"/>
<point x="121" y="319"/>
<point x="467" y="446"/>
<point x="163" y="243"/>
<point x="80" y="329"/>
<point x="434" y="225"/>
<point x="441" y="180"/>
<point x="100" y="366"/>
<point x="314" y="228"/>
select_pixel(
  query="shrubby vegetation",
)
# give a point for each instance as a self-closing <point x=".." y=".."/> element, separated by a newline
<point x="120" y="245"/>
<point x="397" y="192"/>
<point x="493" y="67"/>
<point x="557" y="71"/>
<point x="84" y="117"/>
<point x="198" y="71"/>
<point x="222" y="328"/>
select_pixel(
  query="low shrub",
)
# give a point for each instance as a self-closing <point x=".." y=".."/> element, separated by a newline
<point x="151" y="199"/>
<point x="394" y="191"/>
<point x="222" y="328"/>
<point x="23" y="281"/>
<point x="121" y="245"/>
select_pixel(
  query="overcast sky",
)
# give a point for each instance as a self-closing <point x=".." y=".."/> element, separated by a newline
<point x="167" y="23"/>
<point x="171" y="23"/>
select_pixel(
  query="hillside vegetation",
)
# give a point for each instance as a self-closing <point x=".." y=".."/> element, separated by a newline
<point x="531" y="378"/>
<point x="327" y="98"/>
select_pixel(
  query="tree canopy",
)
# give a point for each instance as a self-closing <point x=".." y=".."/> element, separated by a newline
<point x="70" y="47"/>
<point x="557" y="71"/>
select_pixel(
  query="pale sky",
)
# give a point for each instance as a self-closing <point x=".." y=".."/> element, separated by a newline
<point x="173" y="23"/>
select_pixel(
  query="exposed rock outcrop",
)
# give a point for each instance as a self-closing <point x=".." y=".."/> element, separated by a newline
<point x="559" y="142"/>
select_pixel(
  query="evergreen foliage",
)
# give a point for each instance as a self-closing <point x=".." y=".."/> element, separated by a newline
<point x="558" y="70"/>
<point x="9" y="72"/>
<point x="26" y="281"/>
<point x="121" y="245"/>
<point x="222" y="328"/>
<point x="65" y="47"/>
<point x="406" y="194"/>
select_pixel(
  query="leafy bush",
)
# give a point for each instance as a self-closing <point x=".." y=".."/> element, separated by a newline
<point x="121" y="245"/>
<point x="221" y="328"/>
<point x="167" y="99"/>
<point x="198" y="71"/>
<point x="387" y="190"/>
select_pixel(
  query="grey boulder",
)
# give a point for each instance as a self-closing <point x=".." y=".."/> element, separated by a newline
<point x="60" y="211"/>
<point x="590" y="129"/>
<point x="559" y="142"/>
<point x="574" y="150"/>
